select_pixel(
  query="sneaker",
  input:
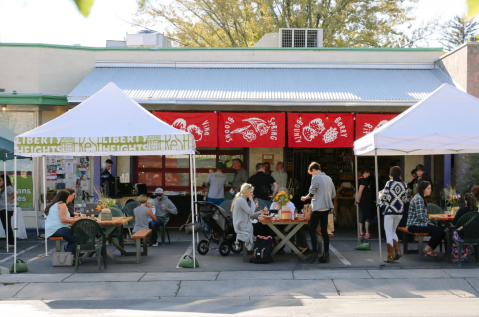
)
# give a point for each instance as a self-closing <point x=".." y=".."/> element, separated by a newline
<point x="367" y="236"/>
<point x="155" y="244"/>
<point x="361" y="235"/>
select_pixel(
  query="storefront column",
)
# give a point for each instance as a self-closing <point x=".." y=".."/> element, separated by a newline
<point x="96" y="175"/>
<point x="447" y="170"/>
<point x="427" y="164"/>
<point x="114" y="166"/>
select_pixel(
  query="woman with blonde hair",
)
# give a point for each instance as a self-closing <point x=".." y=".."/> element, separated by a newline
<point x="242" y="214"/>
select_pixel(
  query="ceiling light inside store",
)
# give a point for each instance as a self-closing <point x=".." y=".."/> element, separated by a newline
<point x="4" y="107"/>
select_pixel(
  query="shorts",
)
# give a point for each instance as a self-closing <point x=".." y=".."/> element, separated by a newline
<point x="364" y="214"/>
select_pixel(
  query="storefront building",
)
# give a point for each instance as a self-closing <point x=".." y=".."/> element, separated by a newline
<point x="258" y="104"/>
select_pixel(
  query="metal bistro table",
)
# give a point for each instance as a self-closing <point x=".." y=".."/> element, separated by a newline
<point x="292" y="227"/>
<point x="109" y="227"/>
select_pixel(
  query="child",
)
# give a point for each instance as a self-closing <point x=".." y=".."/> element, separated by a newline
<point x="150" y="203"/>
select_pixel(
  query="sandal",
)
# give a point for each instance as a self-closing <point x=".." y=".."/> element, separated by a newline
<point x="430" y="253"/>
<point x="305" y="251"/>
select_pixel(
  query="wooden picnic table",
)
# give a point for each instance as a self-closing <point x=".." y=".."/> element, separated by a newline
<point x="288" y="232"/>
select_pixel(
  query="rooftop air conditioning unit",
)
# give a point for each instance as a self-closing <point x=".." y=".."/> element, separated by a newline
<point x="300" y="37"/>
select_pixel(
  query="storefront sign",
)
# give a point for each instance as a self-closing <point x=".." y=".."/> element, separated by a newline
<point x="367" y="123"/>
<point x="251" y="130"/>
<point x="24" y="189"/>
<point x="320" y="130"/>
<point x="203" y="125"/>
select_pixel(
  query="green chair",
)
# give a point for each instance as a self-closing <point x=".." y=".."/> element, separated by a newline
<point x="128" y="211"/>
<point x="118" y="205"/>
<point x="434" y="209"/>
<point x="115" y="212"/>
<point x="86" y="232"/>
<point x="469" y="224"/>
<point x="163" y="229"/>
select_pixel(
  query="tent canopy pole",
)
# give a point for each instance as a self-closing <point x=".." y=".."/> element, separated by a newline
<point x="356" y="168"/>
<point x="15" y="215"/>
<point x="377" y="204"/>
<point x="44" y="174"/>
<point x="6" y="200"/>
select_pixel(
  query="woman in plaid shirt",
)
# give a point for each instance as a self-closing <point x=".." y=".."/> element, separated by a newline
<point x="418" y="220"/>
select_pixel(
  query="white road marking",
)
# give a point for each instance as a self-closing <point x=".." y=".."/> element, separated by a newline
<point x="21" y="252"/>
<point x="339" y="255"/>
<point x="36" y="258"/>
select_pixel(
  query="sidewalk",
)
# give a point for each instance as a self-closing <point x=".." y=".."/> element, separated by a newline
<point x="245" y="285"/>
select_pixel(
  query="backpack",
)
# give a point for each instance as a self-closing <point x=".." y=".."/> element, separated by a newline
<point x="263" y="247"/>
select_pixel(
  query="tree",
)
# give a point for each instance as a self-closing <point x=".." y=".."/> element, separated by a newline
<point x="457" y="31"/>
<point x="241" y="23"/>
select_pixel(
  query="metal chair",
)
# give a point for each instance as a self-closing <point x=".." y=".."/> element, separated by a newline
<point x="434" y="209"/>
<point x="469" y="224"/>
<point x="118" y="233"/>
<point x="86" y="232"/>
<point x="118" y="204"/>
<point x="163" y="229"/>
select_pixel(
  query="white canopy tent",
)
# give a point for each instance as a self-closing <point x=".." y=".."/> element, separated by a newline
<point x="444" y="123"/>
<point x="108" y="123"/>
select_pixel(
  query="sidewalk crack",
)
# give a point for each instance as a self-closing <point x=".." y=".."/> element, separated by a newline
<point x="178" y="290"/>
<point x="472" y="286"/>
<point x="142" y="277"/>
<point x="217" y="275"/>
<point x="337" y="289"/>
<point x="20" y="290"/>
<point x="369" y="274"/>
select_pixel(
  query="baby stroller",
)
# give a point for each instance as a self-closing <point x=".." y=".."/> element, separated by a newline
<point x="221" y="230"/>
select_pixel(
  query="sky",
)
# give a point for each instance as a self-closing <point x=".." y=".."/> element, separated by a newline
<point x="59" y="22"/>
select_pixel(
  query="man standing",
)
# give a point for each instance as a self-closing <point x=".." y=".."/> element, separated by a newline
<point x="280" y="176"/>
<point x="267" y="168"/>
<point x="241" y="175"/>
<point x="163" y="207"/>
<point x="262" y="184"/>
<point x="106" y="177"/>
<point x="216" y="185"/>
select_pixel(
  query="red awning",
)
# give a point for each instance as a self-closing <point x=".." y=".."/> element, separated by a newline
<point x="367" y="123"/>
<point x="251" y="130"/>
<point x="320" y="130"/>
<point x="203" y="125"/>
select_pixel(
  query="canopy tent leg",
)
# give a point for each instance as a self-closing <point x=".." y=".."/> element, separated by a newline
<point x="357" y="190"/>
<point x="377" y="204"/>
<point x="35" y="196"/>
<point x="193" y="219"/>
<point x="45" y="200"/>
<point x="5" y="192"/>
<point x="195" y="198"/>
<point x="15" y="216"/>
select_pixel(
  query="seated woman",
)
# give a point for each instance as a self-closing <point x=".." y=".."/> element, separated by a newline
<point x="418" y="220"/>
<point x="242" y="214"/>
<point x="471" y="205"/>
<point x="58" y="220"/>
<point x="142" y="215"/>
<point x="6" y="214"/>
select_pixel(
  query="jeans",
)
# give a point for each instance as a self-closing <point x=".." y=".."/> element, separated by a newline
<point x="4" y="219"/>
<point x="68" y="236"/>
<point x="216" y="201"/>
<point x="437" y="234"/>
<point x="316" y="218"/>
<point x="391" y="223"/>
<point x="155" y="225"/>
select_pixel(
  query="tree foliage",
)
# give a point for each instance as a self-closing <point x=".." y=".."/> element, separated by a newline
<point x="457" y="31"/>
<point x="241" y="23"/>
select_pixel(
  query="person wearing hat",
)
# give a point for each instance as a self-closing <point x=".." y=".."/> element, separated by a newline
<point x="216" y="185"/>
<point x="163" y="207"/>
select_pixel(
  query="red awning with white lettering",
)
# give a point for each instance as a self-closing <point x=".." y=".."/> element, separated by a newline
<point x="320" y="130"/>
<point x="203" y="125"/>
<point x="367" y="123"/>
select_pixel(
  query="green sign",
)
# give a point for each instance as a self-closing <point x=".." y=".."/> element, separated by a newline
<point x="24" y="189"/>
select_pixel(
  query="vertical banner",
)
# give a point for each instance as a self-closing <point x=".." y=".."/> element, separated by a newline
<point x="251" y="129"/>
<point x="203" y="125"/>
<point x="320" y="130"/>
<point x="24" y="188"/>
<point x="367" y="123"/>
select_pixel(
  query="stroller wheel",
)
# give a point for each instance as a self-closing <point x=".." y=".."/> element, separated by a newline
<point x="224" y="248"/>
<point x="203" y="247"/>
<point x="237" y="248"/>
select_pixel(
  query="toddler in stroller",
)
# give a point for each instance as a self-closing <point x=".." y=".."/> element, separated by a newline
<point x="221" y="230"/>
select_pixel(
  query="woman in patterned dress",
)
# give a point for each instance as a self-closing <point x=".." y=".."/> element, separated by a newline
<point x="471" y="206"/>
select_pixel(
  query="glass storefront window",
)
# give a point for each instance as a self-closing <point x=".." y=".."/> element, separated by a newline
<point x="177" y="179"/>
<point x="205" y="161"/>
<point x="155" y="161"/>
<point x="228" y="159"/>
<point x="177" y="161"/>
<point x="150" y="178"/>
<point x="201" y="179"/>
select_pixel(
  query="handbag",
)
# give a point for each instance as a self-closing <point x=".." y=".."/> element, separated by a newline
<point x="187" y="262"/>
<point x="188" y="226"/>
<point x="21" y="266"/>
<point x="363" y="246"/>
<point x="62" y="259"/>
